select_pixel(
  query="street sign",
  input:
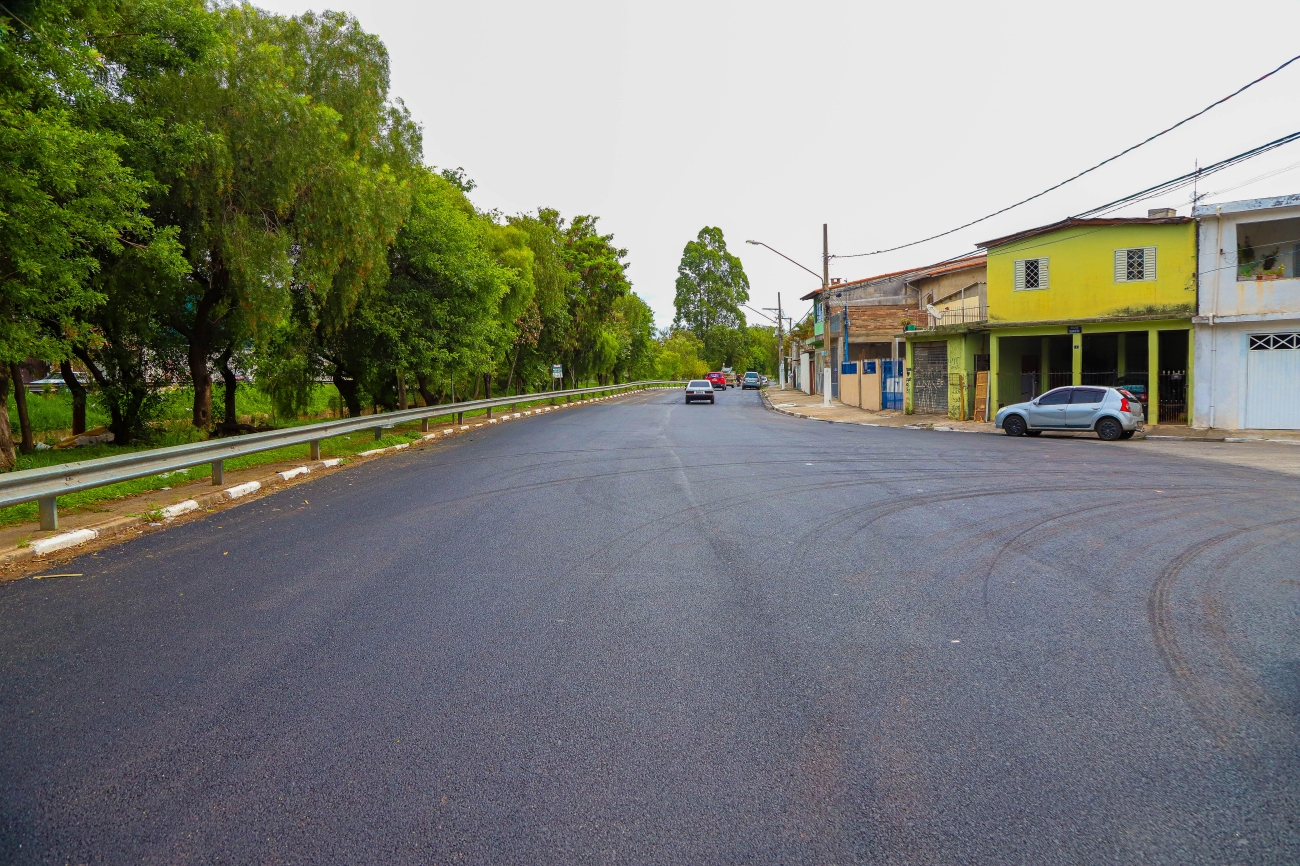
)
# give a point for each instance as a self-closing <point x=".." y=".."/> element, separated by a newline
<point x="557" y="372"/>
<point x="1074" y="329"/>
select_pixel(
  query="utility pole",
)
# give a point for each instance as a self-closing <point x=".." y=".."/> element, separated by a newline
<point x="826" y="317"/>
<point x="780" y="342"/>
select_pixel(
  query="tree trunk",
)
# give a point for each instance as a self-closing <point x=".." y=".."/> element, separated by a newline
<point x="478" y="386"/>
<point x="78" y="396"/>
<point x="7" y="456"/>
<point x="24" y="420"/>
<point x="349" y="392"/>
<point x="201" y="376"/>
<point x="232" y="384"/>
<point x="422" y="382"/>
<point x="401" y="390"/>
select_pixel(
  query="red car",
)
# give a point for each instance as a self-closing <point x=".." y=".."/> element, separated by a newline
<point x="717" y="380"/>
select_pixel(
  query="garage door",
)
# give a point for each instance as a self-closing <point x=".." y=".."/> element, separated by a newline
<point x="930" y="378"/>
<point x="1273" y="382"/>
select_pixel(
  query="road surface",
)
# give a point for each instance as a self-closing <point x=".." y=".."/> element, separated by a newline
<point x="645" y="632"/>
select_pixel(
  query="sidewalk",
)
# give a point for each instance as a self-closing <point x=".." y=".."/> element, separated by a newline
<point x="799" y="404"/>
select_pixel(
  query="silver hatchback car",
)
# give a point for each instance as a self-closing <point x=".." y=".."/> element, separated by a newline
<point x="1112" y="412"/>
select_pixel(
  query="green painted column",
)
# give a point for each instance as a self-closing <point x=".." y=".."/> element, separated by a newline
<point x="1076" y="358"/>
<point x="1191" y="368"/>
<point x="1045" y="362"/>
<point x="1153" y="375"/>
<point x="1121" y="361"/>
<point x="994" y="378"/>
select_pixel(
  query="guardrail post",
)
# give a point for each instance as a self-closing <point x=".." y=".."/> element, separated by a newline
<point x="49" y="513"/>
<point x="379" y="433"/>
<point x="315" y="449"/>
<point x="489" y="412"/>
<point x="218" y="472"/>
<point x="460" y="417"/>
<point x="424" y="425"/>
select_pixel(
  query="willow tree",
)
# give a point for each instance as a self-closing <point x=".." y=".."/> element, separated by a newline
<point x="298" y="186"/>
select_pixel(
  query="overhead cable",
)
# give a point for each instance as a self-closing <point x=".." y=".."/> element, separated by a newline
<point x="1128" y="150"/>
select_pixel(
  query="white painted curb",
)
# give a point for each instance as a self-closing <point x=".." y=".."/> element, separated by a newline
<point x="294" y="473"/>
<point x="331" y="463"/>
<point x="243" y="489"/>
<point x="180" y="508"/>
<point x="372" y="452"/>
<point x="400" y="445"/>
<point x="67" y="539"/>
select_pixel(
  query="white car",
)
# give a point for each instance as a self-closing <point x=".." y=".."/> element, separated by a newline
<point x="699" y="389"/>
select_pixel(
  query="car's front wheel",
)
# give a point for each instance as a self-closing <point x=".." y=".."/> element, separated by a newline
<point x="1033" y="432"/>
<point x="1014" y="426"/>
<point x="1108" y="430"/>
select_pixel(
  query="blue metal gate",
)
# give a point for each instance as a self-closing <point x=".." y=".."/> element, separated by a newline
<point x="891" y="393"/>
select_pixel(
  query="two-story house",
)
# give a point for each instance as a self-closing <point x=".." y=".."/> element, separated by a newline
<point x="1247" y="325"/>
<point x="947" y="339"/>
<point x="1095" y="302"/>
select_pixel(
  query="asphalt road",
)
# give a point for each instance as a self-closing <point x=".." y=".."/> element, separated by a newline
<point x="643" y="632"/>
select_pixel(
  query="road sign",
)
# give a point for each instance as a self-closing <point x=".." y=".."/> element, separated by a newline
<point x="557" y="372"/>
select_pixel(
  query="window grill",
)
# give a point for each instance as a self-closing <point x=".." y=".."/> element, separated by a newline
<point x="1031" y="274"/>
<point x="1264" y="342"/>
<point x="1136" y="260"/>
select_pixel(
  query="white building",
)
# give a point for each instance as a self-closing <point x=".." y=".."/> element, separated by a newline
<point x="1247" y="331"/>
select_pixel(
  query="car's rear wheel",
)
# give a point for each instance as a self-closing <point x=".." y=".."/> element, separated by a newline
<point x="1127" y="434"/>
<point x="1014" y="426"/>
<point x="710" y="401"/>
<point x="1108" y="429"/>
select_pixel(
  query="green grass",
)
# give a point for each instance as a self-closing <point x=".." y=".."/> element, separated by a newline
<point x="177" y="434"/>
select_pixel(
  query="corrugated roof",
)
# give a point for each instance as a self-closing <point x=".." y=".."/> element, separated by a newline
<point x="1073" y="222"/>
<point x="971" y="261"/>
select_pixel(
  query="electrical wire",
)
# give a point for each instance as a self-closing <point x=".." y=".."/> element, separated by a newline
<point x="1127" y="150"/>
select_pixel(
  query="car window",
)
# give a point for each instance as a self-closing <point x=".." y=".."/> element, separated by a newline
<point x="697" y="383"/>
<point x="1055" y="398"/>
<point x="1088" y="395"/>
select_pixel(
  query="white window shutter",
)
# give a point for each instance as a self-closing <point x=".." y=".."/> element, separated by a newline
<point x="1020" y="275"/>
<point x="1121" y="266"/>
<point x="1149" y="263"/>
<point x="1043" y="282"/>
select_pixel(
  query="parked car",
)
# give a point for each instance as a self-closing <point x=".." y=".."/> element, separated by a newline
<point x="718" y="380"/>
<point x="699" y="389"/>
<point x="1111" y="412"/>
<point x="55" y="383"/>
<point x="751" y="380"/>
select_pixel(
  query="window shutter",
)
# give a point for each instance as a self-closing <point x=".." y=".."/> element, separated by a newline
<point x="1121" y="266"/>
<point x="1020" y="275"/>
<point x="1043" y="282"/>
<point x="1149" y="263"/>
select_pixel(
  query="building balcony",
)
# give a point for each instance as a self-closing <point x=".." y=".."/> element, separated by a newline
<point x="969" y="313"/>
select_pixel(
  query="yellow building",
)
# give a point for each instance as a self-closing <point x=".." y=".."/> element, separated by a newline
<point x="1095" y="302"/>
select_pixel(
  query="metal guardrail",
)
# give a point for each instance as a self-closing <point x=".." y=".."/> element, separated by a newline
<point x="46" y="484"/>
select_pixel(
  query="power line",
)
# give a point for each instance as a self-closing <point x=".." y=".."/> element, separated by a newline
<point x="1191" y="177"/>
<point x="1148" y="140"/>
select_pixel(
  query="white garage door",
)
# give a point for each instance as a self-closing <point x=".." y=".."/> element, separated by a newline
<point x="1273" y="382"/>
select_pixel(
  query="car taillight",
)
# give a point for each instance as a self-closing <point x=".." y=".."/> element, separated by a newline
<point x="1123" y="404"/>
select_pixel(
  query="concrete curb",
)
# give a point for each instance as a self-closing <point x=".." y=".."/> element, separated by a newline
<point x="115" y="526"/>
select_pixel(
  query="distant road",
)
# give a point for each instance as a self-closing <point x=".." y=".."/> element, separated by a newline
<point x="577" y="638"/>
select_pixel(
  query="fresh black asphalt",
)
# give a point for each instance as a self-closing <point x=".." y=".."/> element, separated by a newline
<point x="645" y="632"/>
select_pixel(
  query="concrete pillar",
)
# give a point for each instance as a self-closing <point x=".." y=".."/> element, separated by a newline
<point x="1076" y="359"/>
<point x="1044" y="363"/>
<point x="1153" y="375"/>
<point x="1121" y="358"/>
<point x="1191" y="367"/>
<point x="994" y="379"/>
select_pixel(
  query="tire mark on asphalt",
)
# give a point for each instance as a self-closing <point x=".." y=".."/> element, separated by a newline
<point x="1160" y="615"/>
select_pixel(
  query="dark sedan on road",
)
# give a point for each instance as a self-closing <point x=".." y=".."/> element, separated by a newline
<point x="1111" y="412"/>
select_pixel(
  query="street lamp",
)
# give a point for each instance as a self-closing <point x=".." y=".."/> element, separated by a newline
<point x="824" y="281"/>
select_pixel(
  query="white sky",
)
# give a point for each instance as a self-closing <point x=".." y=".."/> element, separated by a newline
<point x="889" y="121"/>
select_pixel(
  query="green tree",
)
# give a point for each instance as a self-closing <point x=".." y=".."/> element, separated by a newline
<point x="711" y="285"/>
<point x="297" y="188"/>
<point x="66" y="196"/>
<point x="678" y="355"/>
<point x="633" y="324"/>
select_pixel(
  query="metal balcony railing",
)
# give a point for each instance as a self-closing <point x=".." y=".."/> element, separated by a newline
<point x="940" y="316"/>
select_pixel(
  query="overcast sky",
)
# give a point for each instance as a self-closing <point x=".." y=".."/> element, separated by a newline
<point x="888" y="121"/>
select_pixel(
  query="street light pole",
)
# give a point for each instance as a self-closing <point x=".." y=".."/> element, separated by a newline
<point x="826" y="317"/>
